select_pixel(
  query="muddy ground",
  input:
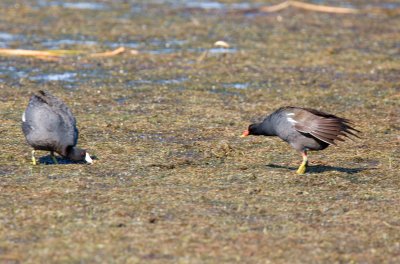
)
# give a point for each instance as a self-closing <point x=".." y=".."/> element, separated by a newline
<point x="172" y="181"/>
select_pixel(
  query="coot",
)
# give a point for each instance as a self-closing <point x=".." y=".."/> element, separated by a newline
<point x="48" y="124"/>
<point x="304" y="129"/>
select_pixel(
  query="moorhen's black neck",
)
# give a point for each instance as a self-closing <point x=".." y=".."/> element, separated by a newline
<point x="262" y="129"/>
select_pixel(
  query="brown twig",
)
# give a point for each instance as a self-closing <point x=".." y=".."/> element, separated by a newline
<point x="108" y="53"/>
<point x="54" y="55"/>
<point x="43" y="55"/>
<point x="21" y="52"/>
<point x="275" y="8"/>
<point x="307" y="6"/>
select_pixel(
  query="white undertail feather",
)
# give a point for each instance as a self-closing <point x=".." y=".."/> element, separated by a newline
<point x="88" y="159"/>
<point x="23" y="117"/>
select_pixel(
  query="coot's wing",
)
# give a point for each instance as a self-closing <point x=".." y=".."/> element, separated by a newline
<point x="323" y="126"/>
<point x="34" y="121"/>
<point x="67" y="127"/>
<point x="40" y="125"/>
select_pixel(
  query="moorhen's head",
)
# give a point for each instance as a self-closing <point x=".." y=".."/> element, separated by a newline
<point x="252" y="130"/>
<point x="78" y="154"/>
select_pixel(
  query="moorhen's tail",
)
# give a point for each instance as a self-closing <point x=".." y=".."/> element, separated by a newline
<point x="325" y="127"/>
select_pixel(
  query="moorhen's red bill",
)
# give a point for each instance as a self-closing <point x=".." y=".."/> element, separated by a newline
<point x="304" y="129"/>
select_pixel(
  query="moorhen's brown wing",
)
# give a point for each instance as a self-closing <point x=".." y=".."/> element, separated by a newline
<point x="323" y="126"/>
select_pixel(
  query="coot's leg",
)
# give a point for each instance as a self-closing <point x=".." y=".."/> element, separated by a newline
<point x="33" y="158"/>
<point x="53" y="157"/>
<point x="303" y="166"/>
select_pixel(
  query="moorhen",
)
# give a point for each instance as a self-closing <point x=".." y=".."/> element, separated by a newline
<point x="48" y="124"/>
<point x="304" y="129"/>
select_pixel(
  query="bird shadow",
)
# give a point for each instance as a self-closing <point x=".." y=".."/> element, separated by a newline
<point x="47" y="160"/>
<point x="321" y="168"/>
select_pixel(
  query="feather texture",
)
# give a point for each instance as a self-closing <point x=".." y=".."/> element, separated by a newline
<point x="305" y="128"/>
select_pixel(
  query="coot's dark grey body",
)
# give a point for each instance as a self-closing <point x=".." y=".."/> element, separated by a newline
<point x="303" y="128"/>
<point x="48" y="124"/>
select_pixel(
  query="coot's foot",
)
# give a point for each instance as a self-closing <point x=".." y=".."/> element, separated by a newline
<point x="33" y="158"/>
<point x="53" y="158"/>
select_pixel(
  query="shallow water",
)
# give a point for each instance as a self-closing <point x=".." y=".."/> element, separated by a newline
<point x="73" y="5"/>
<point x="65" y="77"/>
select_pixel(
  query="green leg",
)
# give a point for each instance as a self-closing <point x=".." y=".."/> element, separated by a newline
<point x="33" y="158"/>
<point x="303" y="167"/>
<point x="53" y="157"/>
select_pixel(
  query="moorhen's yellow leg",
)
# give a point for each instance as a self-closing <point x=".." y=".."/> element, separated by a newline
<point x="303" y="166"/>
<point x="33" y="158"/>
<point x="53" y="157"/>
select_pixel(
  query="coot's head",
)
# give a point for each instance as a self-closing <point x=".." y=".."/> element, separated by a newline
<point x="78" y="154"/>
<point x="251" y="130"/>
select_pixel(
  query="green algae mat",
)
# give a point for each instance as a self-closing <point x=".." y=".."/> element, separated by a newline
<point x="172" y="181"/>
